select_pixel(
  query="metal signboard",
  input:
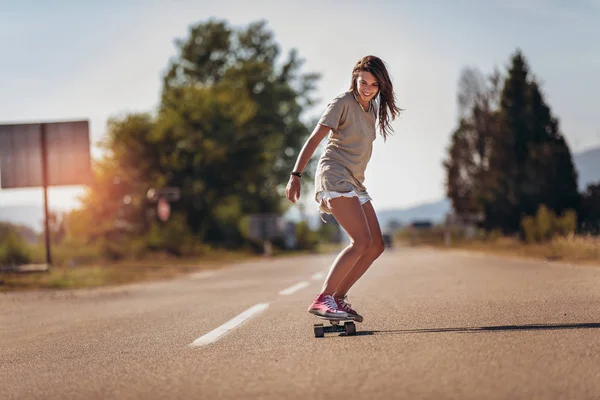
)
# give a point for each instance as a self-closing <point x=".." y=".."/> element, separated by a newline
<point x="20" y="156"/>
<point x="266" y="226"/>
<point x="65" y="145"/>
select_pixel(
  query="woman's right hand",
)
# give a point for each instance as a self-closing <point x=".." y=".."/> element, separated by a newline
<point x="292" y="190"/>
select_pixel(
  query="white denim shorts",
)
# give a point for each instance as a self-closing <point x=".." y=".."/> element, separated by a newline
<point x="328" y="195"/>
<point x="324" y="196"/>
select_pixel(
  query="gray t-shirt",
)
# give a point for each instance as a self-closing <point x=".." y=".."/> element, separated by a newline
<point x="342" y="165"/>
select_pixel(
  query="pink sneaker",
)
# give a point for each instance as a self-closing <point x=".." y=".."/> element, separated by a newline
<point x="325" y="306"/>
<point x="344" y="305"/>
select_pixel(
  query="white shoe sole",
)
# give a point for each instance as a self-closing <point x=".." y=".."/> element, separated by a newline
<point x="329" y="315"/>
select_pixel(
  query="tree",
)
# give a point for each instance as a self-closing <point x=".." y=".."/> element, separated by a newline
<point x="230" y="120"/>
<point x="468" y="163"/>
<point x="590" y="210"/>
<point x="56" y="223"/>
<point x="531" y="161"/>
<point x="509" y="152"/>
<point x="116" y="200"/>
<point x="550" y="175"/>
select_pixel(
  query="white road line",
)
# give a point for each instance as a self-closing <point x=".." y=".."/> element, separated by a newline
<point x="224" y="329"/>
<point x="318" y="276"/>
<point x="294" y="288"/>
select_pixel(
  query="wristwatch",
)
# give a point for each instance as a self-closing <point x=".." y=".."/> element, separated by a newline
<point x="298" y="174"/>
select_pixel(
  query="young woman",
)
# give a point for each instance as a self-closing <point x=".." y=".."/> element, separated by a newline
<point x="352" y="118"/>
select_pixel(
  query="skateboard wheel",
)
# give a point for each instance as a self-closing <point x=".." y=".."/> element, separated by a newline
<point x="319" y="330"/>
<point x="350" y="328"/>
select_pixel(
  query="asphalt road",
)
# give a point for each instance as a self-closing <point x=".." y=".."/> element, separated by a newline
<point x="438" y="325"/>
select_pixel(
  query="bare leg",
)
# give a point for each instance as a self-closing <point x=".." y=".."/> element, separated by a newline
<point x="350" y="215"/>
<point x="364" y="262"/>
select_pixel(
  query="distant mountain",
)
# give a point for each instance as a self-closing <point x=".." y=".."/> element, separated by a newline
<point x="24" y="232"/>
<point x="433" y="211"/>
<point x="587" y="164"/>
<point x="31" y="216"/>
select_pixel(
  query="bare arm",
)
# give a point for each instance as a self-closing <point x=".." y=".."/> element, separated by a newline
<point x="292" y="190"/>
<point x="310" y="146"/>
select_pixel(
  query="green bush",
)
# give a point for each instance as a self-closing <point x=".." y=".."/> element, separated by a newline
<point x="14" y="251"/>
<point x="122" y="247"/>
<point x="494" y="234"/>
<point x="529" y="228"/>
<point x="327" y="232"/>
<point x="306" y="239"/>
<point x="174" y="237"/>
<point x="546" y="225"/>
<point x="567" y="224"/>
<point x="545" y="222"/>
<point x="75" y="251"/>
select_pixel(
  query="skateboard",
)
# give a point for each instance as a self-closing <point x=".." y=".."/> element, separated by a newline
<point x="349" y="327"/>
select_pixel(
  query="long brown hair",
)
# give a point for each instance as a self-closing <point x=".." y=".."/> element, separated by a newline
<point x="387" y="98"/>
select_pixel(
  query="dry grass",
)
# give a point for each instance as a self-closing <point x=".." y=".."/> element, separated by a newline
<point x="573" y="249"/>
<point x="108" y="274"/>
<point x="577" y="248"/>
<point x="151" y="268"/>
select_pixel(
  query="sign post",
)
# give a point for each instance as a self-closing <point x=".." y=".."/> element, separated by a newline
<point x="163" y="209"/>
<point x="45" y="154"/>
<point x="163" y="199"/>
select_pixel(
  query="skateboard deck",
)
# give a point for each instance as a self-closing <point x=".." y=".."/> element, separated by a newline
<point x="348" y="326"/>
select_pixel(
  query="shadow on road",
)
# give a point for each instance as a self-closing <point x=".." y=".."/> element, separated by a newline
<point x="533" y="327"/>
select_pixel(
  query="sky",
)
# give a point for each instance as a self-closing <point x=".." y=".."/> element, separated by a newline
<point x="80" y="59"/>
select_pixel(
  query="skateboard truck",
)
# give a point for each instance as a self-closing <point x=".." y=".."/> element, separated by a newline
<point x="349" y="327"/>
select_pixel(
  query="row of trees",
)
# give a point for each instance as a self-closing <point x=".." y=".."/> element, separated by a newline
<point x="508" y="157"/>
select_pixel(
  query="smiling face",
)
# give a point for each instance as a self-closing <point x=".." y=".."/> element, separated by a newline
<point x="369" y="79"/>
<point x="367" y="86"/>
